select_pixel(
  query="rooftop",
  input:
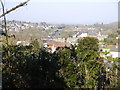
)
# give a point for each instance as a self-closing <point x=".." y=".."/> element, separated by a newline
<point x="115" y="48"/>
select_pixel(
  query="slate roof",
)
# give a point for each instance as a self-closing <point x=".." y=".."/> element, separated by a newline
<point x="115" y="49"/>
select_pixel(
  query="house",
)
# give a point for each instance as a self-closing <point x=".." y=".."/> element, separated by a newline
<point x="24" y="43"/>
<point x="83" y="35"/>
<point x="101" y="37"/>
<point x="115" y="51"/>
<point x="53" y="45"/>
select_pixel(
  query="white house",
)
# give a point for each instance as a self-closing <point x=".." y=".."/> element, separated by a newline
<point x="84" y="35"/>
<point x="101" y="37"/>
<point x="19" y="42"/>
<point x="24" y="43"/>
<point x="53" y="48"/>
<point x="115" y="51"/>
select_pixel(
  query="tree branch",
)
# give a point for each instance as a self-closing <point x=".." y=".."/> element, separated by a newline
<point x="21" y="4"/>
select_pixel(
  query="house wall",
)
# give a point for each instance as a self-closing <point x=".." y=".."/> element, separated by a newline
<point x="115" y="54"/>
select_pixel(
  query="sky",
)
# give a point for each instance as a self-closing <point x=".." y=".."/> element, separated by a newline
<point x="64" y="11"/>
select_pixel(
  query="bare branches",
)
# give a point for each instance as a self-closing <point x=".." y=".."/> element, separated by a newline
<point x="4" y="15"/>
<point x="21" y="4"/>
<point x="5" y="24"/>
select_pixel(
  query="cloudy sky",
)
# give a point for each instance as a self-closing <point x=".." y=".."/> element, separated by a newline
<point x="65" y="11"/>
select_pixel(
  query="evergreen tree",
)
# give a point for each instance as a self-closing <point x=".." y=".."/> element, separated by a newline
<point x="90" y="66"/>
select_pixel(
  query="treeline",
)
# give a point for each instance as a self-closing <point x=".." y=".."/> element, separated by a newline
<point x="77" y="67"/>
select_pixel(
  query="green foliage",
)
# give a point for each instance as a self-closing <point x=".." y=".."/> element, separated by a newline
<point x="81" y="68"/>
<point x="87" y="48"/>
<point x="89" y="61"/>
<point x="105" y="52"/>
<point x="23" y="67"/>
<point x="113" y="36"/>
<point x="113" y="72"/>
<point x="113" y="75"/>
<point x="67" y="68"/>
<point x="110" y="41"/>
<point x="35" y="44"/>
<point x="78" y="67"/>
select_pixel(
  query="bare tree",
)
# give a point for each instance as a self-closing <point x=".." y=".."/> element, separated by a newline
<point x="3" y="10"/>
<point x="4" y="15"/>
